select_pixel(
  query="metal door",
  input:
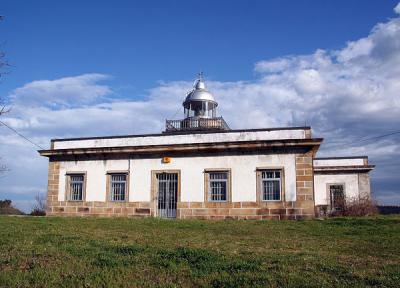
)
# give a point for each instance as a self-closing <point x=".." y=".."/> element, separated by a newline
<point x="167" y="185"/>
<point x="337" y="197"/>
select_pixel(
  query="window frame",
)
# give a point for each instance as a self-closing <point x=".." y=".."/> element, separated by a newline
<point x="260" y="192"/>
<point x="68" y="185"/>
<point x="207" y="187"/>
<point x="109" y="185"/>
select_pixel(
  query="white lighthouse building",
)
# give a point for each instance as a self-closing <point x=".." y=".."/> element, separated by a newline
<point x="201" y="168"/>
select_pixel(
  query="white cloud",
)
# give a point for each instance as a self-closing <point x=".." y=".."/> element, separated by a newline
<point x="397" y="8"/>
<point x="68" y="91"/>
<point x="310" y="81"/>
<point x="354" y="49"/>
<point x="346" y="95"/>
<point x="276" y="65"/>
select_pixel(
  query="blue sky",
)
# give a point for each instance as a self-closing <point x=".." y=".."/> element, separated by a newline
<point x="76" y="64"/>
<point x="142" y="42"/>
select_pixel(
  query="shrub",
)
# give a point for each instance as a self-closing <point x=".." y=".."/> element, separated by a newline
<point x="38" y="212"/>
<point x="39" y="208"/>
<point x="363" y="206"/>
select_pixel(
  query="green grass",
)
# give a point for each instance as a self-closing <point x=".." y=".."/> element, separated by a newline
<point x="92" y="252"/>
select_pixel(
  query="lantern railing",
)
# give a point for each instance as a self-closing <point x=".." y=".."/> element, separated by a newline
<point x="196" y="124"/>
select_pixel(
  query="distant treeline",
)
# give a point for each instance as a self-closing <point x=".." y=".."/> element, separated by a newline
<point x="6" y="208"/>
<point x="385" y="210"/>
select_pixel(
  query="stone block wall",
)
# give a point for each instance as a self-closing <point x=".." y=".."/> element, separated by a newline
<point x="52" y="186"/>
<point x="305" y="184"/>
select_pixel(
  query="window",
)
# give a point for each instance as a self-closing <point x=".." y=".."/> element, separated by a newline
<point x="271" y="185"/>
<point x="76" y="187"/>
<point x="118" y="187"/>
<point x="218" y="186"/>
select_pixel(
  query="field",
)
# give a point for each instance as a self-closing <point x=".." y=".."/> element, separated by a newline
<point x="93" y="252"/>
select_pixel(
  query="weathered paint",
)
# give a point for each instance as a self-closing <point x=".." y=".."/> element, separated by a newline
<point x="143" y="140"/>
<point x="322" y="197"/>
<point x="364" y="185"/>
<point x="305" y="179"/>
<point x="243" y="169"/>
<point x="339" y="162"/>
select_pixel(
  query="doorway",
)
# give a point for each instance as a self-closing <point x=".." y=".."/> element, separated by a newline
<point x="167" y="194"/>
<point x="337" y="197"/>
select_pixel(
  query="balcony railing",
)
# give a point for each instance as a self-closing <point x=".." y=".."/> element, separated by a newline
<point x="196" y="124"/>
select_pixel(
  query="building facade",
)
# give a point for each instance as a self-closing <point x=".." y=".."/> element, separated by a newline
<point x="200" y="168"/>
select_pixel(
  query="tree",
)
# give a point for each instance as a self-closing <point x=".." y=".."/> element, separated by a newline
<point x="3" y="70"/>
<point x="3" y="108"/>
<point x="6" y="208"/>
<point x="39" y="208"/>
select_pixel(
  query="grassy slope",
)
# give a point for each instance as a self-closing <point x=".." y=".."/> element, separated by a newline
<point x="80" y="252"/>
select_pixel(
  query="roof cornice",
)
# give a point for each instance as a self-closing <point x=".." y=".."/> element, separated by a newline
<point x="185" y="148"/>
<point x="183" y="133"/>
<point x="349" y="168"/>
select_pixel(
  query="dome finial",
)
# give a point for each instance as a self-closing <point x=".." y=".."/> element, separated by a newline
<point x="199" y="83"/>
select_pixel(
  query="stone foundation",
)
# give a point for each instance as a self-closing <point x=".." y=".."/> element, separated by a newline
<point x="186" y="210"/>
<point x="242" y="210"/>
<point x="86" y="208"/>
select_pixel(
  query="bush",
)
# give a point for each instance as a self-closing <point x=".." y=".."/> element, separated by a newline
<point x="39" y="208"/>
<point x="38" y="212"/>
<point x="363" y="206"/>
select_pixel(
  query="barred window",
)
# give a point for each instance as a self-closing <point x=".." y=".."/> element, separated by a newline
<point x="271" y="185"/>
<point x="218" y="186"/>
<point x="76" y="186"/>
<point x="118" y="187"/>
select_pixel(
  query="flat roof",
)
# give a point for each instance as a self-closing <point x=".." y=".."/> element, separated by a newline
<point x="254" y="145"/>
<point x="184" y="133"/>
<point x="338" y="162"/>
<point x="341" y="157"/>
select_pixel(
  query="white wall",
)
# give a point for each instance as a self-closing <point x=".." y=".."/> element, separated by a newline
<point x="350" y="182"/>
<point x="182" y="139"/>
<point x="192" y="178"/>
<point x="339" y="162"/>
<point x="96" y="176"/>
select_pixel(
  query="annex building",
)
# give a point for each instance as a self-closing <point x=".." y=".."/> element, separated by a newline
<point x="200" y="168"/>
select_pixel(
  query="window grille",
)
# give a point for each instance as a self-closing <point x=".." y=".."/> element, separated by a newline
<point x="76" y="187"/>
<point x="118" y="187"/>
<point x="271" y="185"/>
<point x="218" y="186"/>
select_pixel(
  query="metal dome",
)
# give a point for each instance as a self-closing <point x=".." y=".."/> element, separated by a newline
<point x="200" y="110"/>
<point x="199" y="93"/>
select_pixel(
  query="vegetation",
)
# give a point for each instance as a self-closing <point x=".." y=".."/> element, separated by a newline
<point x="360" y="206"/>
<point x="388" y="209"/>
<point x="99" y="252"/>
<point x="39" y="208"/>
<point x="6" y="208"/>
<point x="3" y="109"/>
